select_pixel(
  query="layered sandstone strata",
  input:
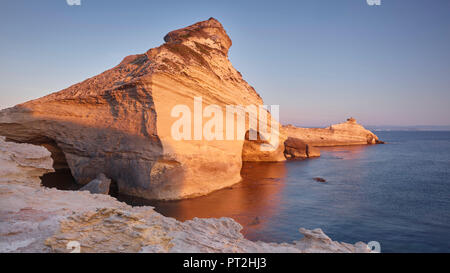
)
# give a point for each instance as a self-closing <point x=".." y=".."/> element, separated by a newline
<point x="346" y="133"/>
<point x="120" y="122"/>
<point x="37" y="219"/>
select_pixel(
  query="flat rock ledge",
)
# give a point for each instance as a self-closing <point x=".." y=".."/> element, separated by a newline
<point x="38" y="219"/>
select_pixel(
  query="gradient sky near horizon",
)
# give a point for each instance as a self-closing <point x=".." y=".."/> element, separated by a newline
<point x="320" y="60"/>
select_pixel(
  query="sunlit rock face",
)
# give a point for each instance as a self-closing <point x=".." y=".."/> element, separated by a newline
<point x="119" y="122"/>
<point x="346" y="133"/>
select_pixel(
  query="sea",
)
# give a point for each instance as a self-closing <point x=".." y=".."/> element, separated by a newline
<point x="397" y="194"/>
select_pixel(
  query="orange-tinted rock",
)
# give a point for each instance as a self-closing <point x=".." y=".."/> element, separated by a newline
<point x="251" y="152"/>
<point x="346" y="133"/>
<point x="119" y="122"/>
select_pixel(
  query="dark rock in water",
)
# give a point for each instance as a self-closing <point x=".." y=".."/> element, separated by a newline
<point x="295" y="148"/>
<point x="320" y="179"/>
<point x="255" y="221"/>
<point x="98" y="185"/>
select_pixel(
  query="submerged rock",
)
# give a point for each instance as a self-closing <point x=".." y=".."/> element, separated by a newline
<point x="23" y="163"/>
<point x="99" y="185"/>
<point x="255" y="222"/>
<point x="320" y="179"/>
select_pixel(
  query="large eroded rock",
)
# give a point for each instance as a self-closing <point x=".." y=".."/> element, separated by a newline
<point x="119" y="122"/>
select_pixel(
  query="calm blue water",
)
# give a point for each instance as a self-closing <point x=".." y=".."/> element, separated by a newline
<point x="397" y="194"/>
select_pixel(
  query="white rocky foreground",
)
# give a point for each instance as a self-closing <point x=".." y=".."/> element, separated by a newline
<point x="37" y="219"/>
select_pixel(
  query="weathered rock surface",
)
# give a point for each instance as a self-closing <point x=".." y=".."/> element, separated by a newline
<point x="346" y="133"/>
<point x="46" y="220"/>
<point x="23" y="163"/>
<point x="119" y="122"/>
<point x="99" y="185"/>
<point x="37" y="219"/>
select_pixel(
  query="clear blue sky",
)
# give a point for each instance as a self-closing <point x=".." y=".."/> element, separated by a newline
<point x="320" y="60"/>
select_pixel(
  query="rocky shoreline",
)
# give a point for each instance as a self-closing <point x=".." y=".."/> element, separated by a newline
<point x="115" y="129"/>
<point x="38" y="219"/>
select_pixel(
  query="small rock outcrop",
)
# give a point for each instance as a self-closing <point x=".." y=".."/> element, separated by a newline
<point x="251" y="151"/>
<point x="346" y="133"/>
<point x="296" y="148"/>
<point x="319" y="179"/>
<point x="318" y="242"/>
<point x="99" y="185"/>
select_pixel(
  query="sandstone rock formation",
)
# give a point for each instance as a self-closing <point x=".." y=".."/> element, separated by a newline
<point x="38" y="219"/>
<point x="99" y="185"/>
<point x="119" y="122"/>
<point x="346" y="133"/>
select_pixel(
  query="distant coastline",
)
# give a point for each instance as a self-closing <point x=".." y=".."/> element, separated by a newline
<point x="410" y="128"/>
<point x="381" y="128"/>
